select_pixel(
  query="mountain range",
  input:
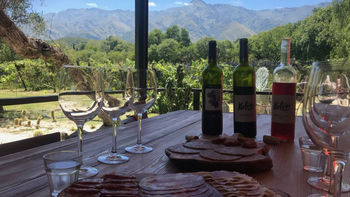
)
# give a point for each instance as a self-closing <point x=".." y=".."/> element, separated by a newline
<point x="221" y="21"/>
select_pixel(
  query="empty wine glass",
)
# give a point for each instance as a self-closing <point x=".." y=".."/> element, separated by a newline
<point x="323" y="182"/>
<point x="145" y="97"/>
<point x="81" y="98"/>
<point x="326" y="113"/>
<point x="118" y="97"/>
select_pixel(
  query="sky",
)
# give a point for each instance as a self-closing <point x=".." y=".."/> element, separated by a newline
<point x="156" y="5"/>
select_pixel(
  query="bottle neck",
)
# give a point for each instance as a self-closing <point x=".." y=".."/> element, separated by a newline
<point x="243" y="52"/>
<point x="212" y="61"/>
<point x="285" y="52"/>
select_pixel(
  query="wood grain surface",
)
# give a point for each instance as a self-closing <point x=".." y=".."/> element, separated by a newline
<point x="23" y="174"/>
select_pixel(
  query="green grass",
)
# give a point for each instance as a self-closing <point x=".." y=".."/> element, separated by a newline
<point x="43" y="109"/>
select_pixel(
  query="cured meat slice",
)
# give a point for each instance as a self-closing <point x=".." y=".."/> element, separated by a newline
<point x="171" y="182"/>
<point x="79" y="185"/>
<point x="174" y="191"/>
<point x="232" y="142"/>
<point x="237" y="151"/>
<point x="113" y="180"/>
<point x="123" y="186"/>
<point x="82" y="191"/>
<point x="212" y="155"/>
<point x="119" y="192"/>
<point x="249" y="144"/>
<point x="200" y="145"/>
<point x="182" y="150"/>
<point x="219" y="140"/>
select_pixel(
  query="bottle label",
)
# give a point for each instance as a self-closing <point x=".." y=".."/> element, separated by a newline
<point x="245" y="108"/>
<point x="244" y="104"/>
<point x="283" y="109"/>
<point x="213" y="99"/>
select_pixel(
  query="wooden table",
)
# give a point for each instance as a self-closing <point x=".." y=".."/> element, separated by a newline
<point x="22" y="174"/>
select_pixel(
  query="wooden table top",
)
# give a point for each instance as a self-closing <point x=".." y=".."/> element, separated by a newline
<point x="23" y="174"/>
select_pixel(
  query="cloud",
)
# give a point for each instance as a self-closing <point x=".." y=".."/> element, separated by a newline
<point x="178" y="2"/>
<point x="152" y="4"/>
<point x="92" y="5"/>
<point x="187" y="3"/>
<point x="237" y="2"/>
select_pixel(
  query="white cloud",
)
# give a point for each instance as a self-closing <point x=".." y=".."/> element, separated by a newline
<point x="187" y="3"/>
<point x="237" y="2"/>
<point x="178" y="2"/>
<point x="92" y="5"/>
<point x="152" y="4"/>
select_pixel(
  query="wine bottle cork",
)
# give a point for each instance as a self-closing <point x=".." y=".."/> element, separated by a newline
<point x="191" y="137"/>
<point x="271" y="139"/>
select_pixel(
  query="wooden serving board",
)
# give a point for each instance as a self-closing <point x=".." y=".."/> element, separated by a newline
<point x="248" y="164"/>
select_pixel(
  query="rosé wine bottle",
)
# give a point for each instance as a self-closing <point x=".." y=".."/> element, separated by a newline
<point x="283" y="96"/>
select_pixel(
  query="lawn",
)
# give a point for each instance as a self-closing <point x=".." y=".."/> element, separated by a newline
<point x="35" y="110"/>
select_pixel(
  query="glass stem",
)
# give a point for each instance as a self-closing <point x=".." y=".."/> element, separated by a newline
<point x="139" y="133"/>
<point x="80" y="138"/>
<point x="327" y="170"/>
<point x="80" y="142"/>
<point x="338" y="163"/>
<point x="114" y="140"/>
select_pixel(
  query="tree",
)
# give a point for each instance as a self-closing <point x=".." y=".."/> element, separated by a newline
<point x="155" y="37"/>
<point x="202" y="47"/>
<point x="314" y="36"/>
<point x="225" y="51"/>
<point x="169" y="50"/>
<point x="30" y="48"/>
<point x="173" y="33"/>
<point x="185" y="37"/>
<point x="341" y="22"/>
<point x="153" y="53"/>
<point x="25" y="47"/>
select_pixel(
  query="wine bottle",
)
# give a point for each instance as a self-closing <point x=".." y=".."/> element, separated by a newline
<point x="212" y="95"/>
<point x="283" y="96"/>
<point x="244" y="117"/>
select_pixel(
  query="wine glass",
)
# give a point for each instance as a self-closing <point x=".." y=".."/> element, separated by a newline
<point x="118" y="97"/>
<point x="323" y="182"/>
<point x="145" y="97"/>
<point x="326" y="113"/>
<point x="81" y="98"/>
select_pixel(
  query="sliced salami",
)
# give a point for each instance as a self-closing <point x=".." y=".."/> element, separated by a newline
<point x="182" y="150"/>
<point x="212" y="155"/>
<point x="236" y="151"/>
<point x="171" y="182"/>
<point x="200" y="145"/>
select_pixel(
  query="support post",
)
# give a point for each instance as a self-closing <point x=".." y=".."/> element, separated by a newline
<point x="141" y="45"/>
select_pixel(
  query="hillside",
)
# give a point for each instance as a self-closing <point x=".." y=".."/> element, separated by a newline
<point x="221" y="21"/>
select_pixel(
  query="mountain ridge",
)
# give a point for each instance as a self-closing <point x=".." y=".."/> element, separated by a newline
<point x="220" y="21"/>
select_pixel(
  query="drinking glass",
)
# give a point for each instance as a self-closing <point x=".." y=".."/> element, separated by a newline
<point x="62" y="169"/>
<point x="145" y="97"/>
<point x="118" y="97"/>
<point x="81" y="98"/>
<point x="326" y="113"/>
<point x="323" y="182"/>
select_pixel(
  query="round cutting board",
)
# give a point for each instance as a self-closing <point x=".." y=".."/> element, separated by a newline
<point x="258" y="162"/>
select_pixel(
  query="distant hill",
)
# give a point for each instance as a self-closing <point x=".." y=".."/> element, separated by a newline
<point x="221" y="21"/>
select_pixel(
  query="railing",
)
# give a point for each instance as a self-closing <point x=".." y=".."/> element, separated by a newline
<point x="41" y="99"/>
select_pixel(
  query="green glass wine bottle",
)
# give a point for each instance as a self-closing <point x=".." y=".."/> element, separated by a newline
<point x="212" y="95"/>
<point x="244" y="94"/>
